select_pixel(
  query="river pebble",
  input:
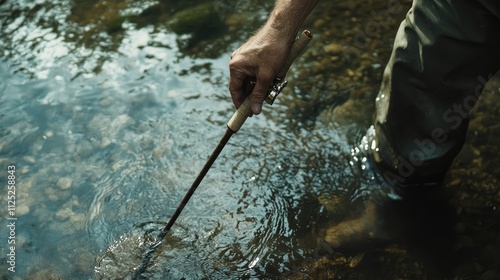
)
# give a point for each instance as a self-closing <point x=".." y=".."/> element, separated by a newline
<point x="333" y="48"/>
<point x="64" y="183"/>
<point x="22" y="209"/>
<point x="52" y="194"/>
<point x="29" y="159"/>
<point x="64" y="213"/>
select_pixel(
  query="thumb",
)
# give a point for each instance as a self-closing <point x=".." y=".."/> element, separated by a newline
<point x="256" y="100"/>
<point x="259" y="92"/>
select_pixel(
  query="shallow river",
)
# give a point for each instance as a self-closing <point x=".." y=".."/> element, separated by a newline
<point x="109" y="109"/>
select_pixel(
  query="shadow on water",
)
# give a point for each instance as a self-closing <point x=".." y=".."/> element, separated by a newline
<point x="110" y="108"/>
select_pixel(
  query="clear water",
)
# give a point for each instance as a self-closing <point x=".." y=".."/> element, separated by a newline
<point x="108" y="130"/>
<point x="108" y="115"/>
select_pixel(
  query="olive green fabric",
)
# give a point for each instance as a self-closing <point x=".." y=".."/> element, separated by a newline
<point x="444" y="52"/>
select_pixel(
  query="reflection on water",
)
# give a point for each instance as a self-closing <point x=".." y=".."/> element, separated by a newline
<point x="111" y="120"/>
<point x="110" y="109"/>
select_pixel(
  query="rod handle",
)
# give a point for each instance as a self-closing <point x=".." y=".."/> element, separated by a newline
<point x="244" y="111"/>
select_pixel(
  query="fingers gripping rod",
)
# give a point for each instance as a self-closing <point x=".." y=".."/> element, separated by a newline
<point x="234" y="124"/>
<point x="244" y="111"/>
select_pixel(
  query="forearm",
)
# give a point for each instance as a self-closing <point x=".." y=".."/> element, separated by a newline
<point x="288" y="16"/>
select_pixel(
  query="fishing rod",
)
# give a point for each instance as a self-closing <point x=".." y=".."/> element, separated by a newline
<point x="234" y="124"/>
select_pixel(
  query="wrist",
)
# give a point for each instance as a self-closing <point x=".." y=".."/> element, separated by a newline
<point x="276" y="34"/>
<point x="287" y="18"/>
<point x="281" y="30"/>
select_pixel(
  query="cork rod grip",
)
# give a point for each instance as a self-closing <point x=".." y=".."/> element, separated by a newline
<point x="298" y="46"/>
<point x="244" y="111"/>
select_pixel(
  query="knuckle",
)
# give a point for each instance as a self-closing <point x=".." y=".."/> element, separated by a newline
<point x="266" y="77"/>
<point x="259" y="94"/>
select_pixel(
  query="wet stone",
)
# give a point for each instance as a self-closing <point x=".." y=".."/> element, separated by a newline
<point x="189" y="20"/>
<point x="74" y="201"/>
<point x="22" y="209"/>
<point x="319" y="23"/>
<point x="333" y="48"/>
<point x="106" y="102"/>
<point x="105" y="142"/>
<point x="24" y="169"/>
<point x="29" y="159"/>
<point x="48" y="134"/>
<point x="64" y="183"/>
<point x="64" y="213"/>
<point x="52" y="194"/>
<point x="77" y="219"/>
<point x="122" y="120"/>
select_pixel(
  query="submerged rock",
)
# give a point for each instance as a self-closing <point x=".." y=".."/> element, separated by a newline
<point x="22" y="209"/>
<point x="200" y="21"/>
<point x="64" y="183"/>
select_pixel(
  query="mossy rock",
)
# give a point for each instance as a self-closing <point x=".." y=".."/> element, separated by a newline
<point x="197" y="20"/>
<point x="115" y="24"/>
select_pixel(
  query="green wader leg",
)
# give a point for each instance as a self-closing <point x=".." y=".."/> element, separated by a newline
<point x="444" y="52"/>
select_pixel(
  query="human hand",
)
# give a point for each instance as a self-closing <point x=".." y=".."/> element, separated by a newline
<point x="260" y="59"/>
